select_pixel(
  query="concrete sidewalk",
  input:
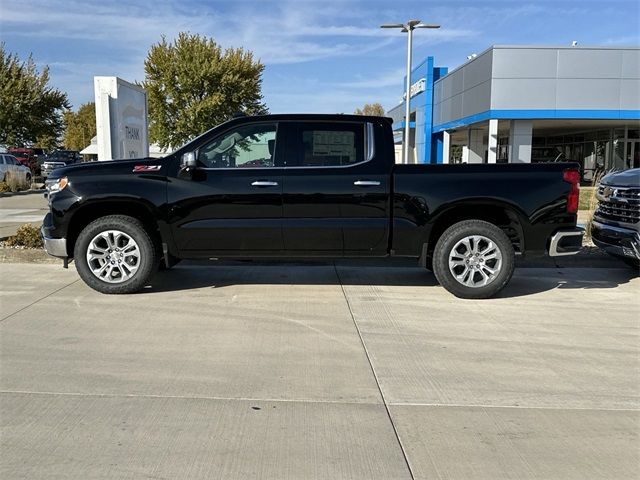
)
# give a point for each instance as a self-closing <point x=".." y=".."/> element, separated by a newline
<point x="20" y="209"/>
<point x="320" y="372"/>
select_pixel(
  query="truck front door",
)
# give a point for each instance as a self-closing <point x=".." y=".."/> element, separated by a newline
<point x="232" y="202"/>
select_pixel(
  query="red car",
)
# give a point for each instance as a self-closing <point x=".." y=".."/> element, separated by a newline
<point x="28" y="158"/>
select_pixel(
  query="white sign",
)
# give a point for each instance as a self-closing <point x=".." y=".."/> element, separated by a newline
<point x="418" y="87"/>
<point x="121" y="119"/>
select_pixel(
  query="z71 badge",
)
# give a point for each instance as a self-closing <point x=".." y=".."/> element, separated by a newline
<point x="146" y="168"/>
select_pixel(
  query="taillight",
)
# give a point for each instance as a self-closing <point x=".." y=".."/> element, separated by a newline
<point x="572" y="177"/>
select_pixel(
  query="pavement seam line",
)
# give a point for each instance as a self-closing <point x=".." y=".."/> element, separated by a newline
<point x="38" y="300"/>
<point x="514" y="407"/>
<point x="375" y="375"/>
<point x="181" y="397"/>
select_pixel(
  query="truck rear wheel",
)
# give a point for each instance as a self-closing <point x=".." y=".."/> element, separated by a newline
<point x="115" y="254"/>
<point x="473" y="259"/>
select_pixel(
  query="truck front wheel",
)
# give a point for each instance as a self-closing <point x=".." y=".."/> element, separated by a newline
<point x="115" y="254"/>
<point x="473" y="259"/>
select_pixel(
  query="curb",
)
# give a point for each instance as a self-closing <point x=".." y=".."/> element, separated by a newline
<point x="26" y="255"/>
<point x="22" y="192"/>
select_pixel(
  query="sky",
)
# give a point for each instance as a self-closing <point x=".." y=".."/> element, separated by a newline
<point x="319" y="56"/>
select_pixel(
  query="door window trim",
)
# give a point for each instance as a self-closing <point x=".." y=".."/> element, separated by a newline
<point x="369" y="148"/>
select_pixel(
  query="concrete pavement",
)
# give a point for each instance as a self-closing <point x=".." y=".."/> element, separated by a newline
<point x="258" y="371"/>
<point x="20" y="209"/>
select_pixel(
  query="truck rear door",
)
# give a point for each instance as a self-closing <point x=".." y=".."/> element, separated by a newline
<point x="335" y="189"/>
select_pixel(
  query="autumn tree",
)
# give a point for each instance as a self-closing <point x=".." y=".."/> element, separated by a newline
<point x="80" y="127"/>
<point x="193" y="84"/>
<point x="30" y="109"/>
<point x="371" y="109"/>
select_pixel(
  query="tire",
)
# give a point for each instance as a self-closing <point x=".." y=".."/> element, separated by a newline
<point x="132" y="267"/>
<point x="473" y="270"/>
<point x="27" y="178"/>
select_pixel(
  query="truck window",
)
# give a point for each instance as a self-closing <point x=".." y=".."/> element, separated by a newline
<point x="249" y="146"/>
<point x="331" y="145"/>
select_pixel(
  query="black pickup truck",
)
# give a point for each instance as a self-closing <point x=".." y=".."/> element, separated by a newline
<point x="300" y="186"/>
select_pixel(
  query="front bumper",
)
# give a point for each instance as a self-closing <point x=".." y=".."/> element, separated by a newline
<point x="56" y="247"/>
<point x="624" y="242"/>
<point x="566" y="242"/>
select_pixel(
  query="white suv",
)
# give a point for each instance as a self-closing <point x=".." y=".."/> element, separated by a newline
<point x="11" y="167"/>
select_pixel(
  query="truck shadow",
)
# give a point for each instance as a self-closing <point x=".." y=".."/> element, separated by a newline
<point x="529" y="281"/>
<point x="526" y="281"/>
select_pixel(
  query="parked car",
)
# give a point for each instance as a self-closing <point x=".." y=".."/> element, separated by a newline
<point x="308" y="186"/>
<point x="10" y="168"/>
<point x="59" y="159"/>
<point x="41" y="155"/>
<point x="616" y="222"/>
<point x="27" y="157"/>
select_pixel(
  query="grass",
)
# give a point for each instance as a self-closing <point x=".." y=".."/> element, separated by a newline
<point x="589" y="202"/>
<point x="587" y="196"/>
<point x="13" y="184"/>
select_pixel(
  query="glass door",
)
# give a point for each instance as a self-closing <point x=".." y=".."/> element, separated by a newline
<point x="632" y="159"/>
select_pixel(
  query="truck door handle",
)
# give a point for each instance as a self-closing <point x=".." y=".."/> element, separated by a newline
<point x="264" y="183"/>
<point x="366" y="183"/>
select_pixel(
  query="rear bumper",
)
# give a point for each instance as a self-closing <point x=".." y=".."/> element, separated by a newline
<point x="619" y="241"/>
<point x="566" y="242"/>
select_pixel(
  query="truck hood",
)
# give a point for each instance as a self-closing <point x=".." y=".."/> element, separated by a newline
<point x="626" y="178"/>
<point x="134" y="166"/>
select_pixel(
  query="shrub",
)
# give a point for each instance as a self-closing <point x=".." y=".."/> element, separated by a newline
<point x="27" y="236"/>
<point x="4" y="187"/>
<point x="591" y="202"/>
<point x="16" y="184"/>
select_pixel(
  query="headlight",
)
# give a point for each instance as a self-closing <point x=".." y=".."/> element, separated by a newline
<point x="57" y="185"/>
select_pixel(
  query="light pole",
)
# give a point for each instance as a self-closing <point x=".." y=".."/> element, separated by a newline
<point x="408" y="27"/>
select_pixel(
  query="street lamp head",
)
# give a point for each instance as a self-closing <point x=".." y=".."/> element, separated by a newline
<point x="410" y="25"/>
<point x="408" y="28"/>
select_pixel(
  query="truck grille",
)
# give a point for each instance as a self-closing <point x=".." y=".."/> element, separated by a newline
<point x="53" y="165"/>
<point x="620" y="204"/>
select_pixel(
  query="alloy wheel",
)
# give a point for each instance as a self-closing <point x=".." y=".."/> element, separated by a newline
<point x="475" y="261"/>
<point x="113" y="256"/>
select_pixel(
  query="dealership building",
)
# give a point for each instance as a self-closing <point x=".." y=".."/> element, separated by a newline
<point x="528" y="104"/>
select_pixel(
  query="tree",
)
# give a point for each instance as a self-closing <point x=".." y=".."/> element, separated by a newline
<point x="193" y="84"/>
<point x="30" y="109"/>
<point x="371" y="109"/>
<point x="80" y="126"/>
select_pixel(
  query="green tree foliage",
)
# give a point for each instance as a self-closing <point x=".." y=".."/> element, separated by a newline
<point x="48" y="141"/>
<point x="30" y="109"/>
<point x="79" y="127"/>
<point x="193" y="84"/>
<point x="371" y="109"/>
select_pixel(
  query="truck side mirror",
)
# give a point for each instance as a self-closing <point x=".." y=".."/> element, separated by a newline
<point x="189" y="161"/>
